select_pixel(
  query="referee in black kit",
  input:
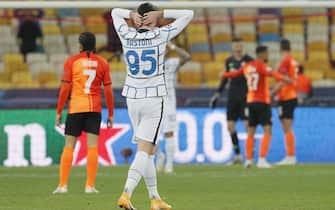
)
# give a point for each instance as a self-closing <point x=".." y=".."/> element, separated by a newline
<point x="237" y="91"/>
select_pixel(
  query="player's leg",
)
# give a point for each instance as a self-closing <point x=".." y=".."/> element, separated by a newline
<point x="266" y="122"/>
<point x="73" y="128"/>
<point x="251" y="130"/>
<point x="170" y="149"/>
<point x="170" y="125"/>
<point x="160" y="158"/>
<point x="92" y="128"/>
<point x="233" y="112"/>
<point x="286" y="118"/>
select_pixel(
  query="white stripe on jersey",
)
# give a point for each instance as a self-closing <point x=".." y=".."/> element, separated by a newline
<point x="144" y="52"/>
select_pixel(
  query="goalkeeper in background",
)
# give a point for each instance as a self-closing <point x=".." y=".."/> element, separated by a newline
<point x="237" y="91"/>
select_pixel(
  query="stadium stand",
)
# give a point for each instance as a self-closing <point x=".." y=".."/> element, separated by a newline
<point x="207" y="39"/>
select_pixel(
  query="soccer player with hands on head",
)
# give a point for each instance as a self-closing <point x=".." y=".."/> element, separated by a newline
<point x="145" y="88"/>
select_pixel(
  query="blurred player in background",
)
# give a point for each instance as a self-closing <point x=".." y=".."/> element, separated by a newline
<point x="258" y="102"/>
<point x="172" y="65"/>
<point x="145" y="88"/>
<point x="287" y="98"/>
<point x="237" y="92"/>
<point x="83" y="76"/>
<point x="304" y="86"/>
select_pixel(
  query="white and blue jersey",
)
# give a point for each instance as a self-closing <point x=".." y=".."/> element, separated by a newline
<point x="144" y="52"/>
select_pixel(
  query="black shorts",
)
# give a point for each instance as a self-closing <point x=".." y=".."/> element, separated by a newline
<point x="259" y="113"/>
<point x="236" y="109"/>
<point x="286" y="108"/>
<point x="84" y="121"/>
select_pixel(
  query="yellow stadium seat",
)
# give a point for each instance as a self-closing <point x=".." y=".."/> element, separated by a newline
<point x="197" y="39"/>
<point x="317" y="46"/>
<point x="330" y="73"/>
<point x="201" y="56"/>
<point x="293" y="28"/>
<point x="213" y="83"/>
<point x="217" y="38"/>
<point x="314" y="74"/>
<point x="222" y="56"/>
<point x="298" y="55"/>
<point x="21" y="78"/>
<point x="73" y="29"/>
<point x="4" y="21"/>
<point x="292" y="11"/>
<point x="320" y="20"/>
<point x="51" y="29"/>
<point x="45" y="77"/>
<point x="247" y="37"/>
<point x="268" y="28"/>
<point x="49" y="12"/>
<point x="5" y="85"/>
<point x="87" y="12"/>
<point x="212" y="71"/>
<point x="12" y="58"/>
<point x="190" y="78"/>
<point x="97" y="29"/>
<point x="318" y="56"/>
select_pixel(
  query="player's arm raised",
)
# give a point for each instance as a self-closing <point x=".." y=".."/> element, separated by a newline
<point x="108" y="96"/>
<point x="232" y="74"/>
<point x="64" y="91"/>
<point x="119" y="15"/>
<point x="182" y="19"/>
<point x="183" y="54"/>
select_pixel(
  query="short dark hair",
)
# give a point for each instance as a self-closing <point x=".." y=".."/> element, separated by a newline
<point x="261" y="49"/>
<point x="237" y="39"/>
<point x="285" y="45"/>
<point x="146" y="7"/>
<point x="87" y="40"/>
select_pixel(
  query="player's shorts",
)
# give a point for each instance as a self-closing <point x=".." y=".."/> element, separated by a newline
<point x="170" y="119"/>
<point x="146" y="116"/>
<point x="236" y="109"/>
<point x="84" y="121"/>
<point x="286" y="108"/>
<point x="259" y="113"/>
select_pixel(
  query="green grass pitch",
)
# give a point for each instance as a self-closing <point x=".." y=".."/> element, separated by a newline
<point x="197" y="187"/>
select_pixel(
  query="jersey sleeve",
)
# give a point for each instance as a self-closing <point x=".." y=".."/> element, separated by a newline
<point x="67" y="73"/>
<point x="107" y="78"/>
<point x="183" y="18"/>
<point x="120" y="24"/>
<point x="232" y="74"/>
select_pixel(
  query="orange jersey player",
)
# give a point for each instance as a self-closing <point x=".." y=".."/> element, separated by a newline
<point x="287" y="98"/>
<point x="84" y="74"/>
<point x="258" y="103"/>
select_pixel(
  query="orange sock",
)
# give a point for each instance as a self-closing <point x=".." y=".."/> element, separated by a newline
<point x="265" y="145"/>
<point x="249" y="147"/>
<point x="65" y="166"/>
<point x="290" y="143"/>
<point x="92" y="165"/>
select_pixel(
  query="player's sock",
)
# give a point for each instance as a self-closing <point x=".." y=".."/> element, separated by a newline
<point x="150" y="179"/>
<point x="290" y="143"/>
<point x="65" y="166"/>
<point x="170" y="147"/>
<point x="249" y="147"/>
<point x="234" y="139"/>
<point x="92" y="165"/>
<point x="137" y="169"/>
<point x="265" y="145"/>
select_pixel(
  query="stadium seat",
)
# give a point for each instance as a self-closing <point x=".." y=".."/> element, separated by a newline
<point x="45" y="77"/>
<point x="222" y="56"/>
<point x="201" y="56"/>
<point x="211" y="71"/>
<point x="190" y="78"/>
<point x="36" y="58"/>
<point x="51" y="29"/>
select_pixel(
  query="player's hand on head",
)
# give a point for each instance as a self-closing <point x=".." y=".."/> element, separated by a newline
<point x="136" y="18"/>
<point x="58" y="120"/>
<point x="110" y="122"/>
<point x="151" y="17"/>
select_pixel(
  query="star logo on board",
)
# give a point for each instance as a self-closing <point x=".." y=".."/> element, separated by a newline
<point x="106" y="139"/>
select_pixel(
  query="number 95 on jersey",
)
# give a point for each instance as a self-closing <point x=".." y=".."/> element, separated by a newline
<point x="142" y="62"/>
